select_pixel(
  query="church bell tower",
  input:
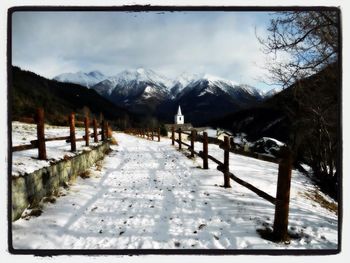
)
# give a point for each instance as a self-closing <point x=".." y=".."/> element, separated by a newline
<point x="179" y="118"/>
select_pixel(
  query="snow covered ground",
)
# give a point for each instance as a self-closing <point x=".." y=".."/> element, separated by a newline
<point x="148" y="195"/>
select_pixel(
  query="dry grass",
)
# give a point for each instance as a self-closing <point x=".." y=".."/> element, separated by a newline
<point x="49" y="199"/>
<point x="98" y="165"/>
<point x="33" y="212"/>
<point x="86" y="174"/>
<point x="316" y="197"/>
<point x="66" y="157"/>
<point x="114" y="141"/>
<point x="109" y="132"/>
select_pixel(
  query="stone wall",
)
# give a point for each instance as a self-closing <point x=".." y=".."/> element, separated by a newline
<point x="184" y="127"/>
<point x="29" y="189"/>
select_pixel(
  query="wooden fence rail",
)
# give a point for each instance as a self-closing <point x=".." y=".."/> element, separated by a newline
<point x="281" y="201"/>
<point x="39" y="143"/>
<point x="259" y="156"/>
<point x="148" y="133"/>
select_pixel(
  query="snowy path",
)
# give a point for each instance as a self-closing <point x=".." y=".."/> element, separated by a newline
<point x="149" y="195"/>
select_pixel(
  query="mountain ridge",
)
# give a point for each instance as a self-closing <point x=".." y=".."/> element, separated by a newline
<point x="148" y="75"/>
<point x="146" y="92"/>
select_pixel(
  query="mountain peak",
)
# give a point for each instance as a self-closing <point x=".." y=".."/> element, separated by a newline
<point x="95" y="73"/>
<point x="140" y="70"/>
<point x="212" y="78"/>
<point x="85" y="79"/>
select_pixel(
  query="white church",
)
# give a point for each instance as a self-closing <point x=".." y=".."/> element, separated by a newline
<point x="179" y="118"/>
<point x="179" y="121"/>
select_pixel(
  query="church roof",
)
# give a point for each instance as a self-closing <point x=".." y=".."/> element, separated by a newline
<point x="179" y="111"/>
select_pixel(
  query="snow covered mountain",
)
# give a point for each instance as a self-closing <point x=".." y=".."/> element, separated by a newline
<point x="209" y="84"/>
<point x="272" y="92"/>
<point x="147" y="92"/>
<point x="85" y="79"/>
<point x="209" y="97"/>
<point x="181" y="82"/>
<point x="139" y="90"/>
<point x="130" y="83"/>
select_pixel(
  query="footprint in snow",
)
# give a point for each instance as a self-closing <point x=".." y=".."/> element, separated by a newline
<point x="201" y="226"/>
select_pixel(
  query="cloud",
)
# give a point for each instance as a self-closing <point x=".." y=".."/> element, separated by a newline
<point x="219" y="43"/>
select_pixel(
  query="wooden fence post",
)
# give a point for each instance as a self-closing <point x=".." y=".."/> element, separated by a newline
<point x="87" y="131"/>
<point x="280" y="226"/>
<point x="226" y="162"/>
<point x="180" y="144"/>
<point x="73" y="145"/>
<point x="172" y="135"/>
<point x="95" y="130"/>
<point x="192" y="143"/>
<point x="205" y="150"/>
<point x="152" y="136"/>
<point x="40" y="126"/>
<point x="103" y="130"/>
<point x="158" y="134"/>
<point x="106" y="130"/>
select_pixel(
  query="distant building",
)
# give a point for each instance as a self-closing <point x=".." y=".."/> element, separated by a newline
<point x="179" y="122"/>
<point x="220" y="134"/>
<point x="179" y="118"/>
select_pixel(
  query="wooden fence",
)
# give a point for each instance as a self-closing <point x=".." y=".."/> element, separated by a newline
<point x="40" y="142"/>
<point x="281" y="201"/>
<point x="147" y="133"/>
<point x="259" y="156"/>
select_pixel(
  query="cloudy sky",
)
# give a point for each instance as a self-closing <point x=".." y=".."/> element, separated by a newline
<point x="217" y="43"/>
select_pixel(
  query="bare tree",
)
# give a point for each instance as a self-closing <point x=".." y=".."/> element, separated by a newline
<point x="301" y="43"/>
<point x="304" y="51"/>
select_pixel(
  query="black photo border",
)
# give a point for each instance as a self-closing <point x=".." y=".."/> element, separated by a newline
<point x="157" y="8"/>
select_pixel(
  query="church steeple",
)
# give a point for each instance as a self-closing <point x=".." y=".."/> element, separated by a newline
<point x="179" y="111"/>
<point x="179" y="118"/>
